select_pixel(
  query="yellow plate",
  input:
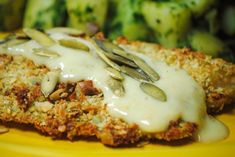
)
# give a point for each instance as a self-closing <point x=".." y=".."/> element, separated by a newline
<point x="29" y="143"/>
<point x="25" y="143"/>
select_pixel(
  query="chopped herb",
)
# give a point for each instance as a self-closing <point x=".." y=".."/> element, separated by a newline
<point x="158" y="21"/>
<point x="89" y="9"/>
<point x="193" y="3"/>
<point x="170" y="31"/>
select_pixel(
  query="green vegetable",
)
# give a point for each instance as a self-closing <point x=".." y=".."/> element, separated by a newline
<point x="170" y="21"/>
<point x="128" y="21"/>
<point x="198" y="7"/>
<point x="88" y="15"/>
<point x="44" y="14"/>
<point x="228" y="21"/>
<point x="204" y="25"/>
<point x="206" y="43"/>
<point x="213" y="23"/>
<point x="11" y="13"/>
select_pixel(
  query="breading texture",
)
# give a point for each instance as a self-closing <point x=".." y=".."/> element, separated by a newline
<point x="22" y="101"/>
<point x="216" y="76"/>
<point x="66" y="113"/>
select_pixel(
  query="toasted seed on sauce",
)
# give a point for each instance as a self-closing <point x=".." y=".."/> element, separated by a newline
<point x="116" y="86"/>
<point x="134" y="73"/>
<point x="114" y="73"/>
<point x="153" y="91"/>
<point x="120" y="60"/>
<point x="45" y="52"/>
<point x="42" y="38"/>
<point x="49" y="82"/>
<point x="153" y="75"/>
<point x="101" y="54"/>
<point x="72" y="43"/>
<point x="66" y="30"/>
<point x="106" y="45"/>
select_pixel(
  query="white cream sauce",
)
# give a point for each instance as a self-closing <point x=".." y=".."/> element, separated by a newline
<point x="211" y="130"/>
<point x="185" y="98"/>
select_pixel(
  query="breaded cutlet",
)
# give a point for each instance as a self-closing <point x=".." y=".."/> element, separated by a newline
<point x="64" y="113"/>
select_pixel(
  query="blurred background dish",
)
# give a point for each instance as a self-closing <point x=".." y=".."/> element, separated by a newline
<point x="207" y="26"/>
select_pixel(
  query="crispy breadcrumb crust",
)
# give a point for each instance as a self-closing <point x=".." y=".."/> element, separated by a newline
<point x="69" y="115"/>
<point x="216" y="76"/>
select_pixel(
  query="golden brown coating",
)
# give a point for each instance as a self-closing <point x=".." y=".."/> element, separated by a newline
<point x="216" y="76"/>
<point x="22" y="101"/>
<point x="65" y="112"/>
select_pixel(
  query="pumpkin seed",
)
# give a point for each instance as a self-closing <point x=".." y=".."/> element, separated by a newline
<point x="49" y="82"/>
<point x="45" y="52"/>
<point x="153" y="91"/>
<point x="43" y="106"/>
<point x="121" y="57"/>
<point x="14" y="36"/>
<point x="65" y="30"/>
<point x="58" y="94"/>
<point x="78" y="90"/>
<point x="102" y="55"/>
<point x="134" y="73"/>
<point x="13" y="42"/>
<point x="38" y="36"/>
<point x="7" y="38"/>
<point x="153" y="75"/>
<point x="13" y="39"/>
<point x="123" y="54"/>
<point x="3" y="129"/>
<point x="114" y="73"/>
<point x="106" y="46"/>
<point x="116" y="86"/>
<point x="21" y="35"/>
<point x="121" y="60"/>
<point x="72" y="43"/>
